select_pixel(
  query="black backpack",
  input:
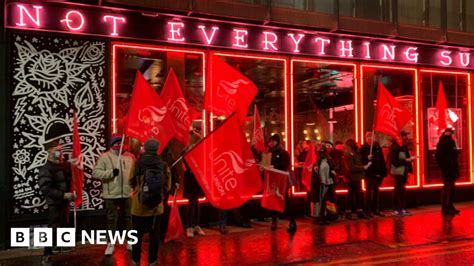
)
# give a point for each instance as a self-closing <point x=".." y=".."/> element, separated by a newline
<point x="151" y="190"/>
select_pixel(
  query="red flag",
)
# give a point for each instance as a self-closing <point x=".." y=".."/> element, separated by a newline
<point x="230" y="90"/>
<point x="148" y="116"/>
<point x="225" y="167"/>
<point x="179" y="109"/>
<point x="442" y="106"/>
<point x="258" y="140"/>
<point x="175" y="227"/>
<point x="77" y="166"/>
<point x="390" y="115"/>
<point x="308" y="168"/>
<point x="276" y="184"/>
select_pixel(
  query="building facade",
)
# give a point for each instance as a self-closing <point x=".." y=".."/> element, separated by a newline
<point x="316" y="64"/>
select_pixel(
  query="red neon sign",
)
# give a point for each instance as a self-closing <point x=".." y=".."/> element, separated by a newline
<point x="198" y="31"/>
<point x="22" y="11"/>
<point x="114" y="21"/>
<point x="71" y="16"/>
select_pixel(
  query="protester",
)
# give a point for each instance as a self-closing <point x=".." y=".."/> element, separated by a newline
<point x="281" y="161"/>
<point x="54" y="181"/>
<point x="326" y="174"/>
<point x="116" y="191"/>
<point x="192" y="192"/>
<point x="305" y="146"/>
<point x="374" y="175"/>
<point x="355" y="173"/>
<point x="400" y="167"/>
<point x="151" y="177"/>
<point x="447" y="158"/>
<point x="168" y="158"/>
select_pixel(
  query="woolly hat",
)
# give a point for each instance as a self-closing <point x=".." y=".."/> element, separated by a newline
<point x="151" y="145"/>
<point x="275" y="138"/>
<point x="115" y="139"/>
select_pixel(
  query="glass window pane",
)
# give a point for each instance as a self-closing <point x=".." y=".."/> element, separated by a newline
<point x="411" y="11"/>
<point x="470" y="16"/>
<point x="297" y="4"/>
<point x="455" y="87"/>
<point x="346" y="8"/>
<point x="323" y="101"/>
<point x="376" y="10"/>
<point x="434" y="13"/>
<point x="324" y="6"/>
<point x="154" y="65"/>
<point x="454" y="14"/>
<point x="401" y="85"/>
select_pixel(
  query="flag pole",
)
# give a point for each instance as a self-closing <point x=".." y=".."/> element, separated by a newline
<point x="120" y="151"/>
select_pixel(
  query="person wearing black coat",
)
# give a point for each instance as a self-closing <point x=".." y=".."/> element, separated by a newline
<point x="55" y="181"/>
<point x="447" y="158"/>
<point x="192" y="192"/>
<point x="281" y="161"/>
<point x="400" y="167"/>
<point x="374" y="175"/>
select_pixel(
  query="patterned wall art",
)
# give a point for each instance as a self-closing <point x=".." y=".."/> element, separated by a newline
<point x="52" y="76"/>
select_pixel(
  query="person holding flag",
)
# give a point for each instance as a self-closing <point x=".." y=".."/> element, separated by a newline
<point x="281" y="161"/>
<point x="374" y="175"/>
<point x="401" y="166"/>
<point x="54" y="179"/>
<point x="114" y="168"/>
<point x="355" y="173"/>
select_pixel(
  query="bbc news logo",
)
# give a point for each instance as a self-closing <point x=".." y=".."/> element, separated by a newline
<point x="66" y="237"/>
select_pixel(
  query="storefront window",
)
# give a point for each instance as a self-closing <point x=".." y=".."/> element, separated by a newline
<point x="323" y="107"/>
<point x="455" y="90"/>
<point x="269" y="76"/>
<point x="401" y="85"/>
<point x="154" y="64"/>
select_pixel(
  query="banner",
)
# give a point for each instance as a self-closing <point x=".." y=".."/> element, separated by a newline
<point x="225" y="167"/>
<point x="148" y="116"/>
<point x="230" y="90"/>
<point x="390" y="115"/>
<point x="275" y="189"/>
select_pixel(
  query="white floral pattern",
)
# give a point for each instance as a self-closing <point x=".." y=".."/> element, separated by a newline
<point x="53" y="77"/>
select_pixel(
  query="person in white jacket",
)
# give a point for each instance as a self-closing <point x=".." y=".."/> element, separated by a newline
<point x="116" y="191"/>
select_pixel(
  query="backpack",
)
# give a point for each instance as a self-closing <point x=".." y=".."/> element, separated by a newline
<point x="151" y="190"/>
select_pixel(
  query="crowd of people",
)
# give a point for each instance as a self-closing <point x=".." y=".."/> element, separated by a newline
<point x="127" y="182"/>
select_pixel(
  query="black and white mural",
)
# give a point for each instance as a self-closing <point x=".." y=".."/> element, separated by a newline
<point x="53" y="76"/>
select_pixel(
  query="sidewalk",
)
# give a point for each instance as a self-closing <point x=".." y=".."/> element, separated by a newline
<point x="341" y="241"/>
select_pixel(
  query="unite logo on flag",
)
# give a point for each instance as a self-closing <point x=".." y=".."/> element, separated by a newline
<point x="226" y="90"/>
<point x="230" y="90"/>
<point x="226" y="165"/>
<point x="151" y="116"/>
<point x="180" y="112"/>
<point x="388" y="114"/>
<point x="225" y="168"/>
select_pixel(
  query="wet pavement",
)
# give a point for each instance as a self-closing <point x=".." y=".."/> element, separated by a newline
<point x="425" y="238"/>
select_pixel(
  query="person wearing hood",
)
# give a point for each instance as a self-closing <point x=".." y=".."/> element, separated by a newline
<point x="146" y="218"/>
<point x="116" y="191"/>
<point x="54" y="181"/>
<point x="447" y="158"/>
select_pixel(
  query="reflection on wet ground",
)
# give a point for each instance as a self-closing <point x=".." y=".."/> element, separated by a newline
<point x="426" y="237"/>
